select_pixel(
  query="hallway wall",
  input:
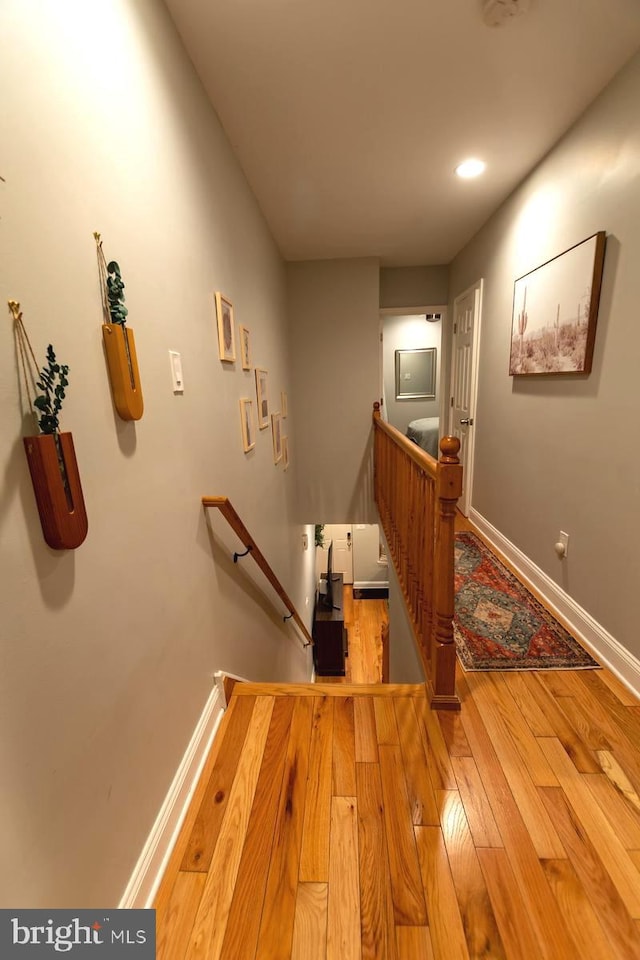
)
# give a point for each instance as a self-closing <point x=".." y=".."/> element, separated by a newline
<point x="558" y="452"/>
<point x="335" y="352"/>
<point x="413" y="286"/>
<point x="108" y="651"/>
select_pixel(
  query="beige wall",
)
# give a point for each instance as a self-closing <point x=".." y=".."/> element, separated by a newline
<point x="335" y="351"/>
<point x="367" y="568"/>
<point x="413" y="286"/>
<point x="108" y="652"/>
<point x="561" y="453"/>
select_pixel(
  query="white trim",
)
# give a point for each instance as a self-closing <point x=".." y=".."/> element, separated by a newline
<point x="602" y="644"/>
<point x="371" y="585"/>
<point x="152" y="863"/>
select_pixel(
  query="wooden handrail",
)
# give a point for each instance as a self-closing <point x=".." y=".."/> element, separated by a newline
<point x="416" y="497"/>
<point x="224" y="505"/>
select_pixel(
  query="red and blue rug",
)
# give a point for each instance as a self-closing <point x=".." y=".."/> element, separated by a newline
<point x="499" y="625"/>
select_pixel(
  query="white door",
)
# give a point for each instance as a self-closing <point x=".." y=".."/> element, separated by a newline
<point x="342" y="554"/>
<point x="464" y="378"/>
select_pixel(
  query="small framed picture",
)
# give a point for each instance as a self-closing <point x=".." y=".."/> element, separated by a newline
<point x="247" y="421"/>
<point x="261" y="396"/>
<point x="276" y="432"/>
<point x="244" y="348"/>
<point x="285" y="452"/>
<point x="284" y="406"/>
<point x="226" y="339"/>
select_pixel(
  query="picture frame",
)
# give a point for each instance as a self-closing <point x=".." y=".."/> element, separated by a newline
<point x="226" y="337"/>
<point x="245" y="353"/>
<point x="416" y="372"/>
<point x="276" y="435"/>
<point x="247" y="421"/>
<point x="262" y="398"/>
<point x="284" y="404"/>
<point x="555" y="310"/>
<point x="285" y="453"/>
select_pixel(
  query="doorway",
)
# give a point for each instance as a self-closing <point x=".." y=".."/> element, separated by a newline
<point x="406" y="332"/>
<point x="339" y="534"/>
<point x="465" y="351"/>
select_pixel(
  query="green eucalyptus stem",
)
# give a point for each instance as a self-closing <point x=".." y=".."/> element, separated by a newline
<point x="113" y="299"/>
<point x="115" y="294"/>
<point x="52" y="383"/>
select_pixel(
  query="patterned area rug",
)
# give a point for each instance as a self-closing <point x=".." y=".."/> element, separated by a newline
<point x="499" y="625"/>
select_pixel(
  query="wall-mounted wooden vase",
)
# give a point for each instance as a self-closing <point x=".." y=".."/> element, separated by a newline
<point x="122" y="361"/>
<point x="56" y="484"/>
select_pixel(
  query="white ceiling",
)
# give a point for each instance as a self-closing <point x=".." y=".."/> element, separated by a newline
<point x="348" y="116"/>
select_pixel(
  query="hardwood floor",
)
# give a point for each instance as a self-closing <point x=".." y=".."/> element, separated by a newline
<point x="338" y="821"/>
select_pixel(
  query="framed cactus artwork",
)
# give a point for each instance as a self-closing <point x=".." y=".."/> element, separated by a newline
<point x="555" y="309"/>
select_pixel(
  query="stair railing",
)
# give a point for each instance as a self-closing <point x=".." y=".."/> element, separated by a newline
<point x="416" y="498"/>
<point x="224" y="505"/>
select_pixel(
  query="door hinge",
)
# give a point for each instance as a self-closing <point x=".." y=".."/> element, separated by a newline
<point x="451" y="401"/>
<point x="455" y="328"/>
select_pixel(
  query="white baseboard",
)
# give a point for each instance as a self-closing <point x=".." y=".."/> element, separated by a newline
<point x="370" y="584"/>
<point x="602" y="644"/>
<point x="146" y="877"/>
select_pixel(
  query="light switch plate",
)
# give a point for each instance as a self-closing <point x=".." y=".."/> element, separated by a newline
<point x="176" y="371"/>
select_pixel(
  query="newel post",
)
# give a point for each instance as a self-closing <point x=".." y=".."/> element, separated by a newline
<point x="377" y="457"/>
<point x="449" y="489"/>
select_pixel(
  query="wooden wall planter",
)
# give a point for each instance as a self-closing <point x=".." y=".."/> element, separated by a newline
<point x="60" y="505"/>
<point x="123" y="370"/>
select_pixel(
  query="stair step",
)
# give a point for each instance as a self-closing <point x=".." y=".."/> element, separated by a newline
<point x="329" y="690"/>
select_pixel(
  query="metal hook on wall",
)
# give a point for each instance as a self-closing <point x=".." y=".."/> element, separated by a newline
<point x="237" y="556"/>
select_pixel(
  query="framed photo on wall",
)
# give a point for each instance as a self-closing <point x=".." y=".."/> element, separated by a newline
<point x="247" y="422"/>
<point x="261" y="396"/>
<point x="285" y="452"/>
<point x="226" y="339"/>
<point x="276" y="432"/>
<point x="244" y="348"/>
<point x="555" y="309"/>
<point x="284" y="404"/>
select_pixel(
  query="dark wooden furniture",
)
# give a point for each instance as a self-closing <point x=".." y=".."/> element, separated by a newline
<point x="330" y="634"/>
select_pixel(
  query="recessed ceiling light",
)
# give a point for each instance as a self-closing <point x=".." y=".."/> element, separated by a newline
<point x="470" y="168"/>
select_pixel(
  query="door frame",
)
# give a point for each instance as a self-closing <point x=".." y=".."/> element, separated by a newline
<point x="478" y="289"/>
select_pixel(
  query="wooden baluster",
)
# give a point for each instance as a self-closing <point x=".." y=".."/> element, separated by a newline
<point x="422" y="487"/>
<point x="404" y="498"/>
<point x="429" y="544"/>
<point x="426" y="562"/>
<point x="411" y="537"/>
<point x="449" y="488"/>
<point x="395" y="482"/>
